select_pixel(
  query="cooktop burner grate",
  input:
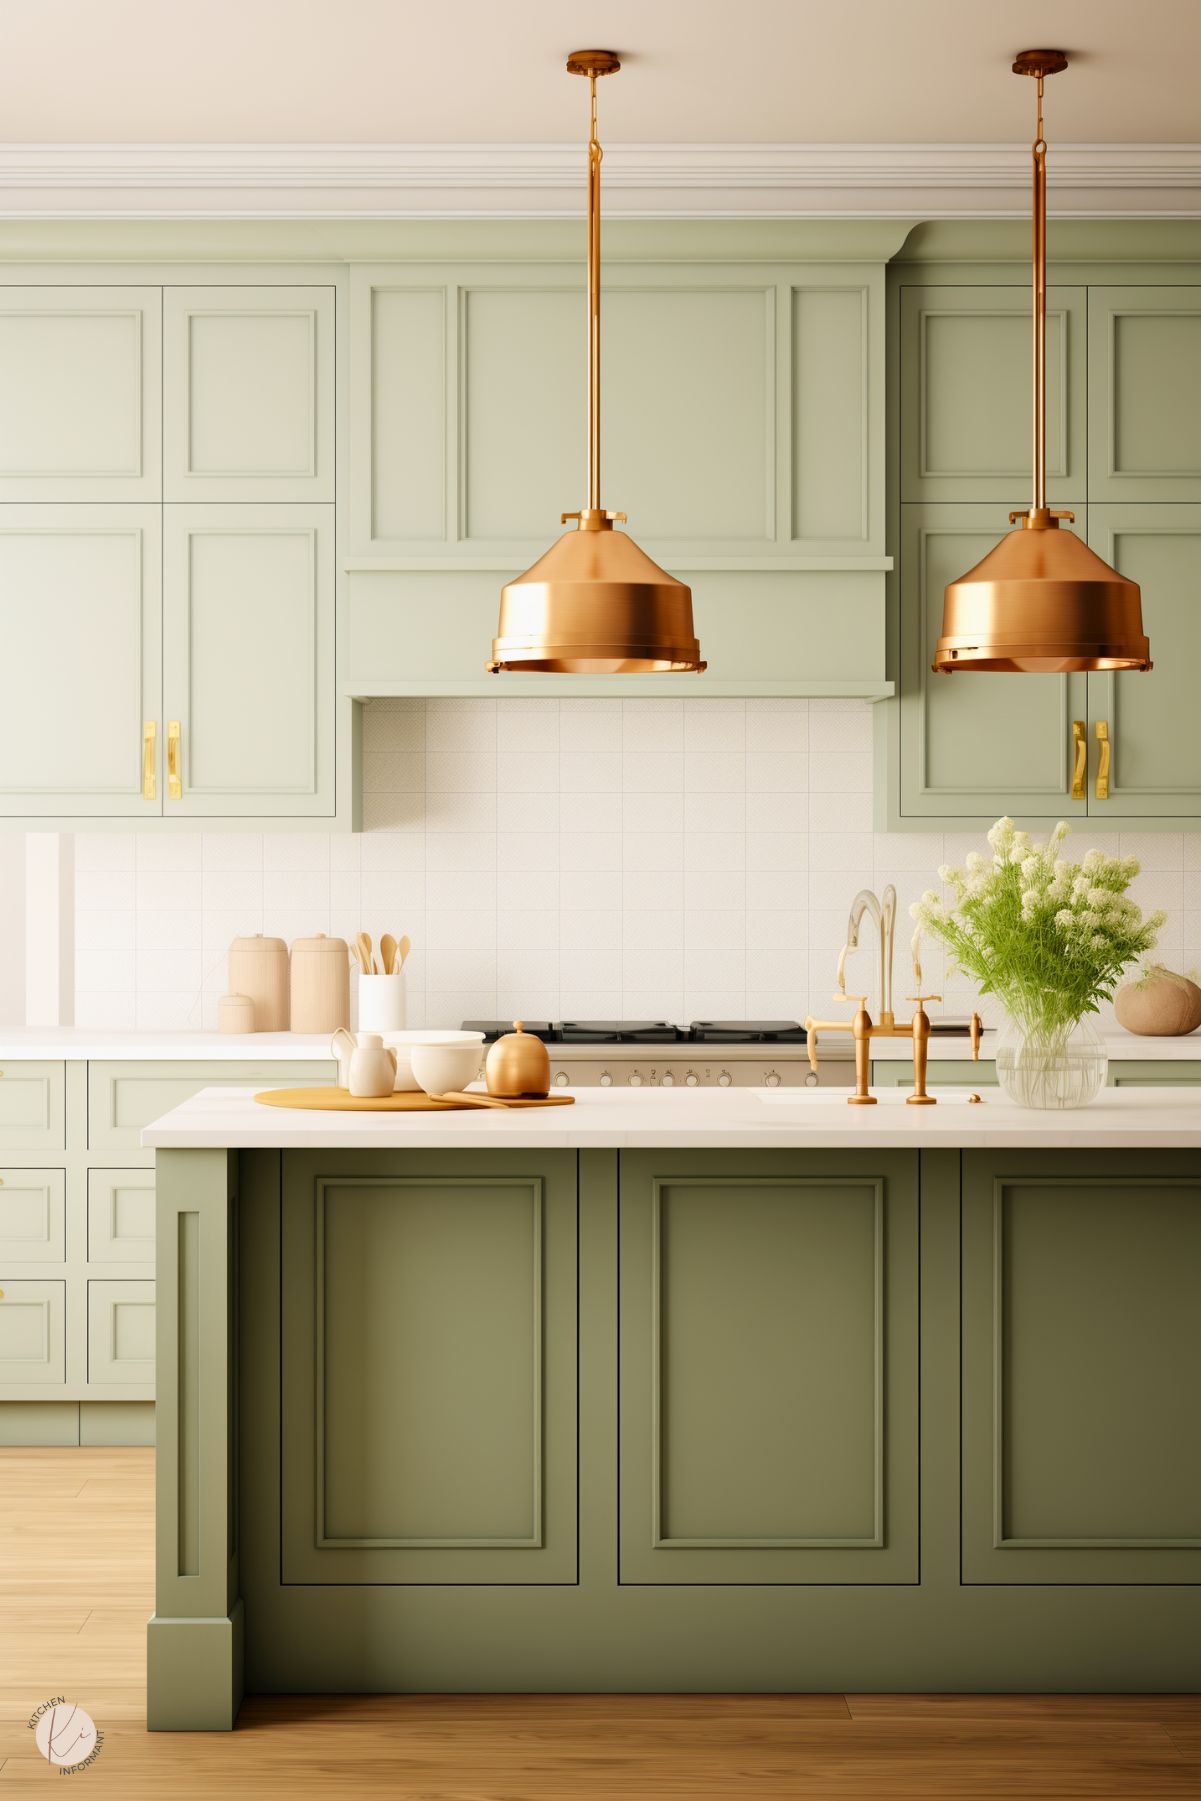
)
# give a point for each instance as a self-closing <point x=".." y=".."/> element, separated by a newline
<point x="648" y="1031"/>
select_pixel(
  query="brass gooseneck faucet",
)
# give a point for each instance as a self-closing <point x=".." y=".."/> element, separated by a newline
<point x="861" y="1027"/>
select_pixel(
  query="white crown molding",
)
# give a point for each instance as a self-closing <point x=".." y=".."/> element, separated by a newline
<point x="390" y="180"/>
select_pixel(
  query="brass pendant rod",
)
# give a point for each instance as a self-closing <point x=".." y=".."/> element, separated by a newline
<point x="1039" y="153"/>
<point x="595" y="155"/>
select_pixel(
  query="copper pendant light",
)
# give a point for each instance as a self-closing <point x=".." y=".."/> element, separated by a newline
<point x="1041" y="600"/>
<point x="595" y="604"/>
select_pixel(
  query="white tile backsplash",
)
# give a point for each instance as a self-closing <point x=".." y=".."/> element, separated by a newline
<point x="573" y="858"/>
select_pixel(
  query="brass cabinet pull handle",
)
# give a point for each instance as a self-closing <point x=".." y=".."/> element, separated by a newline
<point x="1103" y="765"/>
<point x="149" y="781"/>
<point x="1080" y="739"/>
<point x="174" y="778"/>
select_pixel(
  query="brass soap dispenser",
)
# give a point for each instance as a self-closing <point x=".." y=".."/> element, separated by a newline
<point x="518" y="1064"/>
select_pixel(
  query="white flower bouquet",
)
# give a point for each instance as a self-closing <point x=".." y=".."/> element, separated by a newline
<point x="1048" y="937"/>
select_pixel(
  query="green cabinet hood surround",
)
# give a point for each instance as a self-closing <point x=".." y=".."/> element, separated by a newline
<point x="759" y="354"/>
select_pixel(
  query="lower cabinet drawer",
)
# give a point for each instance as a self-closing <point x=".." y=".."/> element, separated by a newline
<point x="951" y="1073"/>
<point x="124" y="1097"/>
<point x="121" y="1216"/>
<point x="32" y="1106"/>
<point x="32" y="1216"/>
<point x="121" y="1332"/>
<point x="1155" y="1074"/>
<point x="33" y="1333"/>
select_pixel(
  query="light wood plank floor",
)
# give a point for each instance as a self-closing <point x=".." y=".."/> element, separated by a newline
<point x="76" y="1588"/>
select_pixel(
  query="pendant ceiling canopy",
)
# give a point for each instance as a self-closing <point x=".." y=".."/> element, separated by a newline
<point x="1041" y="600"/>
<point x="595" y="604"/>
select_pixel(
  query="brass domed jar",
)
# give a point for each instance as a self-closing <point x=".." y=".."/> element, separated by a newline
<point x="518" y="1064"/>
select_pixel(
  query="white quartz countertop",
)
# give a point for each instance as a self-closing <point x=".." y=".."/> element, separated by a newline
<point x="49" y="1043"/>
<point x="697" y="1119"/>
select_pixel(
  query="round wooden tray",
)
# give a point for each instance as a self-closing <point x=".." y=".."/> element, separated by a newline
<point x="339" y="1100"/>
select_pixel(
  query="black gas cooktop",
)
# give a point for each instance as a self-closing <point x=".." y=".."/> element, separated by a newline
<point x="647" y="1031"/>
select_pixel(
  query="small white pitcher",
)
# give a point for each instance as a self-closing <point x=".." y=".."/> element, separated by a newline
<point x="372" y="1071"/>
<point x="343" y="1044"/>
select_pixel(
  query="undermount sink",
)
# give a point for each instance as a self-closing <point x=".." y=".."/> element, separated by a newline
<point x="837" y="1097"/>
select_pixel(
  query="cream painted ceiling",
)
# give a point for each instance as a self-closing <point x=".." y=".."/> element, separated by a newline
<point x="698" y="71"/>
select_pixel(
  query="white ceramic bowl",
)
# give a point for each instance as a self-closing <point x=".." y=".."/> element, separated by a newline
<point x="402" y="1043"/>
<point x="442" y="1068"/>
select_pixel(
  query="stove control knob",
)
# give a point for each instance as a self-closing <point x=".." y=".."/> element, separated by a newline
<point x="561" y="1078"/>
<point x="772" y="1079"/>
<point x="635" y="1080"/>
<point x="606" y="1080"/>
<point x="668" y="1080"/>
<point x="811" y="1079"/>
<point x="691" y="1079"/>
<point x="724" y="1079"/>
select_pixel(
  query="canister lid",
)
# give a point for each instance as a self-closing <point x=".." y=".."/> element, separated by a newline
<point x="257" y="942"/>
<point x="319" y="942"/>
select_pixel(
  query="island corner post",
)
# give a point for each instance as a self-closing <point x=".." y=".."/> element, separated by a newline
<point x="677" y="1282"/>
<point x="194" y="1650"/>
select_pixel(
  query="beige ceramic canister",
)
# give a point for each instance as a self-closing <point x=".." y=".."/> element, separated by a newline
<point x="320" y="984"/>
<point x="258" y="967"/>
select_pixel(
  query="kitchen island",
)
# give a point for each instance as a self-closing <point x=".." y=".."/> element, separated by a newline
<point x="677" y="1390"/>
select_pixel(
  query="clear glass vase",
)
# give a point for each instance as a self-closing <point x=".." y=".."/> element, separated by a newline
<point x="1056" y="1069"/>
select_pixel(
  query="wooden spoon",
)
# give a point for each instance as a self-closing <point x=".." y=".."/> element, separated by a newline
<point x="403" y="948"/>
<point x="462" y="1099"/>
<point x="387" y="951"/>
<point x="363" y="943"/>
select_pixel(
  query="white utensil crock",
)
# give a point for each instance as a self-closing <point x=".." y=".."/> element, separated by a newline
<point x="382" y="1003"/>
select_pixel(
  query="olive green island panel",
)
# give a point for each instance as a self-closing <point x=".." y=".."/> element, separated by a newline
<point x="763" y="1300"/>
<point x="559" y="1420"/>
<point x="1081" y="1367"/>
<point x="429" y="1352"/>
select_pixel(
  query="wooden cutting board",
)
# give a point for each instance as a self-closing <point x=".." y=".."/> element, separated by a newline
<point x="338" y="1100"/>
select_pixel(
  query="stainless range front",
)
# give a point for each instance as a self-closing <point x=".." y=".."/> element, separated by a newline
<point x="615" y="1054"/>
<point x="710" y="1066"/>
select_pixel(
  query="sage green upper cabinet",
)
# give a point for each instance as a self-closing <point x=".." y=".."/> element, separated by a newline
<point x="248" y="397"/>
<point x="1155" y="750"/>
<point x="966" y="394"/>
<point x="974" y="744"/>
<point x="80" y="674"/>
<point x="1144" y="411"/>
<point x="80" y="387"/>
<point x="1123" y="456"/>
<point x="248" y="643"/>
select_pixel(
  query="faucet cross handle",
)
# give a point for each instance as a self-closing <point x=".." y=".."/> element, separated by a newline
<point x="917" y="999"/>
<point x="841" y="994"/>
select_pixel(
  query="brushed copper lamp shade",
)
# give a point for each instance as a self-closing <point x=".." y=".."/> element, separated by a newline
<point x="594" y="603"/>
<point x="1041" y="600"/>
